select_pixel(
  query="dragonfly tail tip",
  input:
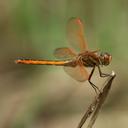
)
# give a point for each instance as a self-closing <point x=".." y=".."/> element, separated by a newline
<point x="17" y="61"/>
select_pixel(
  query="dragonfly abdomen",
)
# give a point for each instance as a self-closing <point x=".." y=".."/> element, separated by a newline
<point x="41" y="62"/>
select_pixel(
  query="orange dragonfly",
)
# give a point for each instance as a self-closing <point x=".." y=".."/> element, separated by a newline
<point x="78" y="57"/>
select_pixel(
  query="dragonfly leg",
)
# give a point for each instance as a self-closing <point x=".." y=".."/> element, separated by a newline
<point x="89" y="80"/>
<point x="102" y="74"/>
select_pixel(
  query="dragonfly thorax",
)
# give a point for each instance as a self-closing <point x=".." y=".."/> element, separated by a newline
<point x="91" y="59"/>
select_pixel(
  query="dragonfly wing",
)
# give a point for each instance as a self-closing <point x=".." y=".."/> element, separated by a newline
<point x="75" y="34"/>
<point x="64" y="53"/>
<point x="79" y="73"/>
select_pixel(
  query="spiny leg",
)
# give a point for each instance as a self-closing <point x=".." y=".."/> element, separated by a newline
<point x="89" y="80"/>
<point x="102" y="74"/>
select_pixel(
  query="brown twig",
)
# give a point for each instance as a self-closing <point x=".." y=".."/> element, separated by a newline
<point x="96" y="105"/>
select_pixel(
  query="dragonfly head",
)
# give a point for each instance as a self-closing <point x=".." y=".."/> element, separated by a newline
<point x="105" y="58"/>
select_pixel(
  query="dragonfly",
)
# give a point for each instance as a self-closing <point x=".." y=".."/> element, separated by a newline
<point x="78" y="57"/>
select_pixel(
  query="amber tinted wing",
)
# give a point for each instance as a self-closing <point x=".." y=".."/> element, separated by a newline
<point x="64" y="53"/>
<point x="75" y="34"/>
<point x="79" y="73"/>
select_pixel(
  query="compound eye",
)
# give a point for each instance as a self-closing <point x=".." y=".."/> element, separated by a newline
<point x="105" y="55"/>
<point x="102" y="54"/>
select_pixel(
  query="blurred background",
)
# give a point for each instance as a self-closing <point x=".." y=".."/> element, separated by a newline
<point x="45" y="96"/>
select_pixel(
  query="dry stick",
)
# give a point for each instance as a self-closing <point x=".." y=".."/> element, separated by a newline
<point x="101" y="98"/>
<point x="97" y="103"/>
